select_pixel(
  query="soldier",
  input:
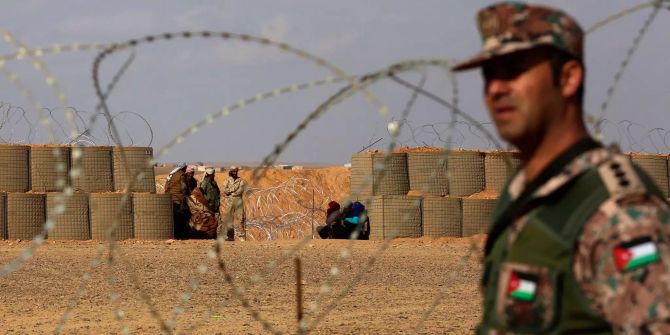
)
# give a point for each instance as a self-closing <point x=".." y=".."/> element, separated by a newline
<point x="177" y="185"/>
<point x="234" y="190"/>
<point x="580" y="237"/>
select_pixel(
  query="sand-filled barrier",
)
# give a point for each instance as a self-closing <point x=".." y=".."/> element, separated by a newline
<point x="442" y="216"/>
<point x="395" y="216"/>
<point x="477" y="211"/>
<point x="95" y="169"/>
<point x="656" y="166"/>
<point x="3" y="215"/>
<point x="152" y="216"/>
<point x="14" y="168"/>
<point x="137" y="164"/>
<point x="49" y="166"/>
<point x="499" y="167"/>
<point x="466" y="172"/>
<point x="105" y="209"/>
<point x="26" y="214"/>
<point x="73" y="222"/>
<point x="428" y="172"/>
<point x="365" y="178"/>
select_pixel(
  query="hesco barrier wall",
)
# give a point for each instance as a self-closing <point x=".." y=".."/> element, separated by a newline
<point x="497" y="169"/>
<point x="3" y="215"/>
<point x="95" y="170"/>
<point x="466" y="172"/>
<point x="14" y="168"/>
<point x="72" y="224"/>
<point x="105" y="210"/>
<point x="656" y="166"/>
<point x="25" y="214"/>
<point x="477" y="215"/>
<point x="48" y="165"/>
<point x="395" y="216"/>
<point x="137" y="160"/>
<point x="394" y="181"/>
<point x="152" y="216"/>
<point x="428" y="172"/>
<point x="441" y="216"/>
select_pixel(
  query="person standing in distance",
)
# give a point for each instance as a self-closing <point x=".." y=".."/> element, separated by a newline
<point x="234" y="192"/>
<point x="580" y="238"/>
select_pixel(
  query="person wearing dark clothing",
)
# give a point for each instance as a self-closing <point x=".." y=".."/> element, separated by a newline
<point x="191" y="183"/>
<point x="211" y="190"/>
<point x="204" y="205"/>
<point x="333" y="220"/>
<point x="177" y="186"/>
<point x="357" y="220"/>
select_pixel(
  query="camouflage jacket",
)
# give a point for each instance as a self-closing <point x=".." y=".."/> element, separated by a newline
<point x="234" y="187"/>
<point x="212" y="194"/>
<point x="633" y="302"/>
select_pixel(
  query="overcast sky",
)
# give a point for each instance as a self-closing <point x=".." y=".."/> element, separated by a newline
<point x="175" y="84"/>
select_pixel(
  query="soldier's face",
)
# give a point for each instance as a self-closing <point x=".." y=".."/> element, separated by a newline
<point x="520" y="95"/>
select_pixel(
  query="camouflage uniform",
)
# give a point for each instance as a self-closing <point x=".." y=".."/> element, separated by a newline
<point x="633" y="301"/>
<point x="234" y="191"/>
<point x="212" y="194"/>
<point x="613" y="210"/>
<point x="512" y="26"/>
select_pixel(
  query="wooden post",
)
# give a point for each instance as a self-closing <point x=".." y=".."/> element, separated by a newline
<point x="312" y="213"/>
<point x="298" y="291"/>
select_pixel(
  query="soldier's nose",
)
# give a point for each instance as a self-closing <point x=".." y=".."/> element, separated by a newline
<point x="496" y="89"/>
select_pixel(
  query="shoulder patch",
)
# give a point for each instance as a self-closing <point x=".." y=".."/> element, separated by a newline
<point x="620" y="177"/>
<point x="635" y="254"/>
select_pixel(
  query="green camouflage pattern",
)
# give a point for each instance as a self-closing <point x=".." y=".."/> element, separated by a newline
<point x="212" y="194"/>
<point x="633" y="302"/>
<point x="509" y="27"/>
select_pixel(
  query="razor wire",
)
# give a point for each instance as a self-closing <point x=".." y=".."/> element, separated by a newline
<point x="656" y="134"/>
<point x="16" y="120"/>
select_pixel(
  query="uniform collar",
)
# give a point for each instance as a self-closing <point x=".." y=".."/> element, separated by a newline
<point x="571" y="163"/>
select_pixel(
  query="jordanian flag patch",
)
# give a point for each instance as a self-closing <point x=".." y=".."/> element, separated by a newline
<point x="636" y="253"/>
<point x="522" y="286"/>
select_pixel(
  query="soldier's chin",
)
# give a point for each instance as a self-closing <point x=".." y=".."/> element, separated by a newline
<point x="510" y="135"/>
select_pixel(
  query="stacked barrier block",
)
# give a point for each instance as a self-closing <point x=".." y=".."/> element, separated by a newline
<point x="14" y="168"/>
<point x="73" y="222"/>
<point x="49" y="165"/>
<point x="366" y="180"/>
<point x="499" y="166"/>
<point x="107" y="209"/>
<point x="441" y="216"/>
<point x="26" y="213"/>
<point x="93" y="207"/>
<point x="152" y="216"/>
<point x="656" y="166"/>
<point x="466" y="172"/>
<point x="395" y="216"/>
<point x="134" y="162"/>
<point x="428" y="172"/>
<point x="3" y="215"/>
<point x="95" y="169"/>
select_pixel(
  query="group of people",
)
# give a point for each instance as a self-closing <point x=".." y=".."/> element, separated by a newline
<point x="348" y="221"/>
<point x="196" y="206"/>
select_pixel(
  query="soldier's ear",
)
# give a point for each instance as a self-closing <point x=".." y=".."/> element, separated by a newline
<point x="572" y="76"/>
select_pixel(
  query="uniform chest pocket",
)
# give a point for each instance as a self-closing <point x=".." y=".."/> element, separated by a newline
<point x="527" y="297"/>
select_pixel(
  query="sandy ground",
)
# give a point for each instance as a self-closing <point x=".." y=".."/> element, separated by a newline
<point x="391" y="296"/>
